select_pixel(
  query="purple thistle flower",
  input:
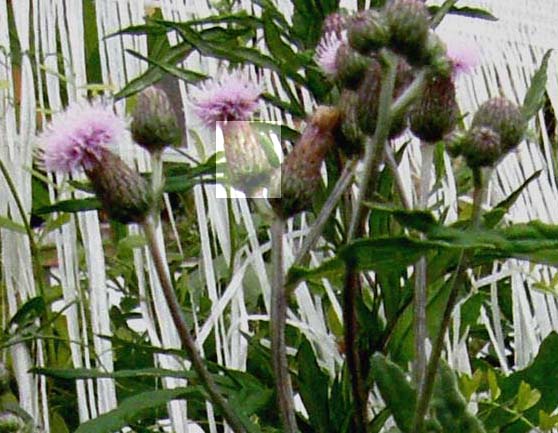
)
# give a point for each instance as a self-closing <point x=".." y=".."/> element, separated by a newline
<point x="463" y="55"/>
<point x="231" y="97"/>
<point x="78" y="136"/>
<point x="326" y="52"/>
<point x="334" y="23"/>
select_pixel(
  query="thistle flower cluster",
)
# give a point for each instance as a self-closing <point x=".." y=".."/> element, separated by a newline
<point x="81" y="138"/>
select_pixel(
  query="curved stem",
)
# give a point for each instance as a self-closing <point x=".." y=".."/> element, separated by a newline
<point x="186" y="337"/>
<point x="278" y="321"/>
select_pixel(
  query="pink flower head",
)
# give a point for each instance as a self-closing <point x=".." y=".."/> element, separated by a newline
<point x="326" y="52"/>
<point x="334" y="23"/>
<point x="77" y="137"/>
<point x="463" y="54"/>
<point x="230" y="97"/>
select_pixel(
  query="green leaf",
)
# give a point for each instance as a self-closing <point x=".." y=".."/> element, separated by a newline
<point x="31" y="310"/>
<point x="547" y="422"/>
<point x="449" y="405"/>
<point x="71" y="205"/>
<point x="278" y="48"/>
<point x="191" y="77"/>
<point x="313" y="387"/>
<point x="466" y="11"/>
<point x="8" y="224"/>
<point x="131" y="409"/>
<point x="534" y="99"/>
<point x="494" y="216"/>
<point x="397" y="392"/>
<point x="526" y="397"/>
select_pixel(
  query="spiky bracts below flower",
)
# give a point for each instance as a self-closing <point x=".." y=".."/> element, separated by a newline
<point x="231" y="97"/>
<point x="154" y="123"/>
<point x="367" y="31"/>
<point x="247" y="162"/>
<point x="503" y="117"/>
<point x="348" y="134"/>
<point x="350" y="67"/>
<point x="435" y="114"/>
<point x="76" y="137"/>
<point x="408" y="23"/>
<point x="300" y="172"/>
<point x="326" y="52"/>
<point x="481" y="147"/>
<point x="124" y="194"/>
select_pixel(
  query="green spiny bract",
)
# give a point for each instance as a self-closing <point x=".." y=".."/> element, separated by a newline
<point x="154" y="123"/>
<point x="300" y="171"/>
<point x="408" y="23"/>
<point x="124" y="194"/>
<point x="348" y="134"/>
<point x="504" y="118"/>
<point x="351" y="67"/>
<point x="367" y="31"/>
<point x="435" y="114"/>
<point x="481" y="147"/>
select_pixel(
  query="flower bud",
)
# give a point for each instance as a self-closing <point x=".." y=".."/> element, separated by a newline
<point x="369" y="94"/>
<point x="348" y="134"/>
<point x="504" y="118"/>
<point x="124" y="194"/>
<point x="154" y="123"/>
<point x="435" y="55"/>
<point x="367" y="31"/>
<point x="247" y="162"/>
<point x="300" y="171"/>
<point x="408" y="23"/>
<point x="350" y="66"/>
<point x="11" y="423"/>
<point x="435" y="114"/>
<point x="482" y="147"/>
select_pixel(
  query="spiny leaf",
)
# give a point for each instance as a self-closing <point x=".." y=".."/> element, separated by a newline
<point x="534" y="99"/>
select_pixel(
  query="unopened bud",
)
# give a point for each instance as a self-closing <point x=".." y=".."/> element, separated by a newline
<point x="154" y="123"/>
<point x="367" y="31"/>
<point x="350" y="66"/>
<point x="124" y="194"/>
<point x="348" y="134"/>
<point x="334" y="23"/>
<point x="435" y="55"/>
<point x="408" y="23"/>
<point x="482" y="147"/>
<point x="300" y="171"/>
<point x="435" y="113"/>
<point x="504" y="118"/>
<point x="248" y="165"/>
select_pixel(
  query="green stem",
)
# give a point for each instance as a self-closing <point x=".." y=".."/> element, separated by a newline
<point x="399" y="186"/>
<point x="157" y="181"/>
<point x="373" y="158"/>
<point x="278" y="319"/>
<point x="480" y="186"/>
<point x="184" y="334"/>
<point x="421" y="294"/>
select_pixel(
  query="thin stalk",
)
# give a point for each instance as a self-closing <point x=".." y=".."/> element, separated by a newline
<point x="184" y="334"/>
<point x="157" y="181"/>
<point x="480" y="188"/>
<point x="421" y="294"/>
<point x="373" y="158"/>
<point x="278" y="321"/>
<point x="402" y="104"/>
<point x="317" y="228"/>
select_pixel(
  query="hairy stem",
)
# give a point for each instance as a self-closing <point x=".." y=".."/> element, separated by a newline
<point x="277" y="323"/>
<point x="421" y="294"/>
<point x="460" y="278"/>
<point x="186" y="337"/>
<point x="399" y="186"/>
<point x="373" y="159"/>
